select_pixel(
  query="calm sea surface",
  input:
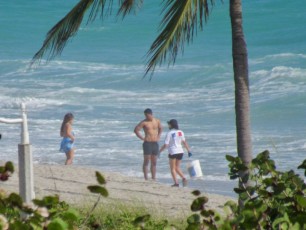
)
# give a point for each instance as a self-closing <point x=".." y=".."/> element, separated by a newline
<point x="99" y="78"/>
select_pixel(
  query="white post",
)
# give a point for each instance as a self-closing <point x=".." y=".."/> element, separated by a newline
<point x="26" y="184"/>
<point x="24" y="128"/>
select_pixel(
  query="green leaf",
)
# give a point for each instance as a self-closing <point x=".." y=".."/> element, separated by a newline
<point x="98" y="189"/>
<point x="217" y="218"/>
<point x="47" y="201"/>
<point x="277" y="223"/>
<point x="141" y="219"/>
<point x="248" y="214"/>
<point x="234" y="177"/>
<point x="242" y="167"/>
<point x="70" y="215"/>
<point x="207" y="213"/>
<point x="9" y="166"/>
<point x="243" y="196"/>
<point x="196" y="192"/>
<point x="57" y="224"/>
<point x="271" y="164"/>
<point x="296" y="226"/>
<point x="301" y="200"/>
<point x="198" y="204"/>
<point x="301" y="218"/>
<point x="2" y="169"/>
<point x="303" y="165"/>
<point x="268" y="181"/>
<point x="17" y="224"/>
<point x="264" y="194"/>
<point x="193" y="219"/>
<point x="51" y="199"/>
<point x="100" y="178"/>
<point x="38" y="202"/>
<point x="232" y="205"/>
<point x="193" y="226"/>
<point x="227" y="225"/>
<point x="15" y="200"/>
<point x="251" y="190"/>
<point x="230" y="158"/>
<point x="263" y="156"/>
<point x="239" y="190"/>
<point x="279" y="188"/>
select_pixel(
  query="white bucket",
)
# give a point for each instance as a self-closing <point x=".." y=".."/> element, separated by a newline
<point x="194" y="169"/>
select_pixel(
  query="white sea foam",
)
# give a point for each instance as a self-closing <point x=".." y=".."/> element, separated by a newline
<point x="216" y="178"/>
<point x="285" y="55"/>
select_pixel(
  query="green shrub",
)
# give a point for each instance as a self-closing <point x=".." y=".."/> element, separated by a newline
<point x="274" y="200"/>
<point x="46" y="213"/>
<point x="52" y="214"/>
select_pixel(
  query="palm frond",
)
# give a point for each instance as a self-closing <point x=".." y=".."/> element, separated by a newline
<point x="66" y="28"/>
<point x="178" y="27"/>
<point x="126" y="6"/>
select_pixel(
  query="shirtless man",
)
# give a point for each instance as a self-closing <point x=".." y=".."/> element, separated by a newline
<point x="152" y="130"/>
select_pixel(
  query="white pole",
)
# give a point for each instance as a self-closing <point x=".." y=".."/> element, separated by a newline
<point x="26" y="182"/>
<point x="24" y="127"/>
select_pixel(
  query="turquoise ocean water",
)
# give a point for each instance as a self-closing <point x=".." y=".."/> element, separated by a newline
<point x="99" y="78"/>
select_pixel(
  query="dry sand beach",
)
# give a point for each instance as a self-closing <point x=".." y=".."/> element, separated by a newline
<point x="70" y="183"/>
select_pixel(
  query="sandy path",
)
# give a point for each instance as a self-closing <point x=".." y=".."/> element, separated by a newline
<point x="70" y="183"/>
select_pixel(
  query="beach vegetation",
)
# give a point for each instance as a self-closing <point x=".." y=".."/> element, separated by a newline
<point x="48" y="212"/>
<point x="51" y="213"/>
<point x="117" y="215"/>
<point x="273" y="200"/>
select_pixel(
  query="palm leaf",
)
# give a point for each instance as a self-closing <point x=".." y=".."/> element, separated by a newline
<point x="178" y="26"/>
<point x="128" y="5"/>
<point x="66" y="28"/>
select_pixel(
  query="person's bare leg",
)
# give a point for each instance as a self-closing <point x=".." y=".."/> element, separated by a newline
<point x="172" y="170"/>
<point x="146" y="160"/>
<point x="67" y="157"/>
<point x="153" y="166"/>
<point x="178" y="169"/>
<point x="70" y="156"/>
<point x="180" y="173"/>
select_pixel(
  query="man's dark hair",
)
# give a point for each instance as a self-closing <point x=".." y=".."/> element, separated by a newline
<point x="148" y="111"/>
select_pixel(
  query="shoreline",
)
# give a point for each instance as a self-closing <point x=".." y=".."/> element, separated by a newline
<point x="70" y="183"/>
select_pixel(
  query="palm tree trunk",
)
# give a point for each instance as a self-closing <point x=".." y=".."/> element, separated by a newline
<point x="242" y="96"/>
